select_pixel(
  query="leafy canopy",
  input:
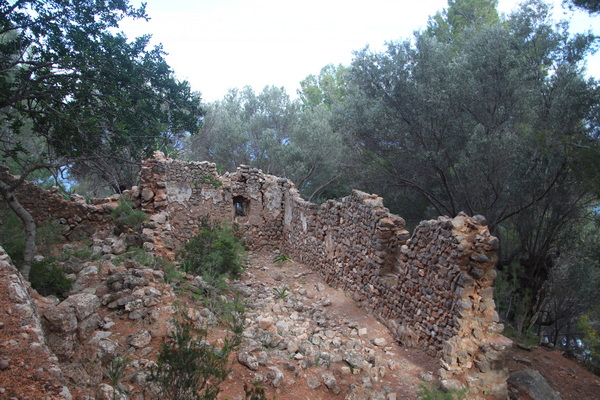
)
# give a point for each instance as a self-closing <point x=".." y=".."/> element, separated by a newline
<point x="67" y="79"/>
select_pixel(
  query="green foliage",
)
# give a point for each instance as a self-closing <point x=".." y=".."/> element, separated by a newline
<point x="208" y="180"/>
<point x="484" y="114"/>
<point x="12" y="237"/>
<point x="49" y="279"/>
<point x="115" y="371"/>
<point x="255" y="391"/>
<point x="429" y="391"/>
<point x="189" y="367"/>
<point x="281" y="292"/>
<point x="125" y="216"/>
<point x="526" y="338"/>
<point x="73" y="113"/>
<point x="172" y="273"/>
<point x="591" y="6"/>
<point x="511" y="301"/>
<point x="281" y="258"/>
<point x="145" y="259"/>
<point x="268" y="130"/>
<point x="329" y="88"/>
<point x="589" y="325"/>
<point x="448" y="25"/>
<point x="214" y="251"/>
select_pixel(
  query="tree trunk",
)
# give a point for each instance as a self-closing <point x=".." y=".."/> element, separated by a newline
<point x="28" y="223"/>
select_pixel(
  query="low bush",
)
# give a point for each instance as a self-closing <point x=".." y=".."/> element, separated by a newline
<point x="126" y="217"/>
<point x="214" y="251"/>
<point x="189" y="367"/>
<point x="49" y="279"/>
<point x="430" y="391"/>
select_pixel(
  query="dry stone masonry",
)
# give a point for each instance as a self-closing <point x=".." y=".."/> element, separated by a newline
<point x="433" y="290"/>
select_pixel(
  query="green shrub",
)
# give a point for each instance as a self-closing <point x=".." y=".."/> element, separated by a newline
<point x="83" y="251"/>
<point x="255" y="391"/>
<point x="48" y="279"/>
<point x="114" y="370"/>
<point x="189" y="367"/>
<point x="124" y="216"/>
<point x="12" y="236"/>
<point x="590" y="330"/>
<point x="215" y="250"/>
<point x="281" y="258"/>
<point x="281" y="292"/>
<point x="429" y="391"/>
<point x="144" y="258"/>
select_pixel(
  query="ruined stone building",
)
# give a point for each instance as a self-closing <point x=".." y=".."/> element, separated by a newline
<point x="433" y="289"/>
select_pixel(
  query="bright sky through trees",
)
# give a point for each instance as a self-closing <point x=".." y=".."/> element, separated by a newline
<point x="222" y="44"/>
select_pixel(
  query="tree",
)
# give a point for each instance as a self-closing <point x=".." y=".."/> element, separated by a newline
<point x="82" y="92"/>
<point x="591" y="6"/>
<point x="272" y="132"/>
<point x="329" y="88"/>
<point x="449" y="24"/>
<point x="481" y="119"/>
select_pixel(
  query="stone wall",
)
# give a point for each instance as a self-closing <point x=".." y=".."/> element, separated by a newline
<point x="434" y="289"/>
<point x="178" y="194"/>
<point x="76" y="217"/>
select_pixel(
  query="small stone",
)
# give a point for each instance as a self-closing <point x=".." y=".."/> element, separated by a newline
<point x="380" y="342"/>
<point x="330" y="381"/>
<point x="362" y="332"/>
<point x="4" y="364"/>
<point x="276" y="376"/>
<point x="313" y="381"/>
<point x="140" y="339"/>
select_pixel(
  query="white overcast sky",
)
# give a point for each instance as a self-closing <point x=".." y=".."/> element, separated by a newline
<point x="221" y="44"/>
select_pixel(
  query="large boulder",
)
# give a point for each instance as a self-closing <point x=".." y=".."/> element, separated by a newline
<point x="533" y="384"/>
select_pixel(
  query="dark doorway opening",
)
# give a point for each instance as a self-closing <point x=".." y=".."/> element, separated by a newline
<point x="241" y="205"/>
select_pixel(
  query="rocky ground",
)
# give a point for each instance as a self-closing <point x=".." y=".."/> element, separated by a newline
<point x="303" y="339"/>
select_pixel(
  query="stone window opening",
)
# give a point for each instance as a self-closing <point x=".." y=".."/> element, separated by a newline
<point x="241" y="206"/>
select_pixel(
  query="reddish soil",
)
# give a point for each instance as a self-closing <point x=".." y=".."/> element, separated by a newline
<point x="27" y="375"/>
<point x="563" y="374"/>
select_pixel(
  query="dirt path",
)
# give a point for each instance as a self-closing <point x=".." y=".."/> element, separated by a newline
<point x="318" y="332"/>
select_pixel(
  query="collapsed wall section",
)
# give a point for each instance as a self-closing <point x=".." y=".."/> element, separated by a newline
<point x="77" y="218"/>
<point x="433" y="290"/>
<point x="178" y="194"/>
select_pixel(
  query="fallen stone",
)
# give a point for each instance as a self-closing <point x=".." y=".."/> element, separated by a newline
<point x="354" y="359"/>
<point x="246" y="358"/>
<point x="313" y="382"/>
<point x="140" y="339"/>
<point x="534" y="384"/>
<point x="330" y="381"/>
<point x="84" y="304"/>
<point x="276" y="376"/>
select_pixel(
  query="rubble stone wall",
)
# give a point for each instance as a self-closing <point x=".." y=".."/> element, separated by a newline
<point x="177" y="195"/>
<point x="432" y="289"/>
<point x="25" y="340"/>
<point x="77" y="218"/>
